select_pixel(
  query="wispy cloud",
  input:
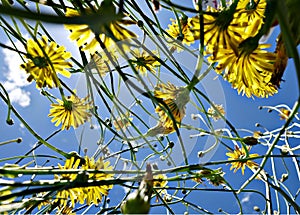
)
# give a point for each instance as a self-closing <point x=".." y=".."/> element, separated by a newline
<point x="246" y="198"/>
<point x="15" y="77"/>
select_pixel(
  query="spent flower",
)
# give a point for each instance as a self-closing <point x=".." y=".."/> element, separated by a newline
<point x="214" y="114"/>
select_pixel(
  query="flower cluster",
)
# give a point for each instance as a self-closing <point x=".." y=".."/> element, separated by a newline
<point x="231" y="37"/>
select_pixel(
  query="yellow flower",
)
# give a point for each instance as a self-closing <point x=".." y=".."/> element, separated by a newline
<point x="221" y="30"/>
<point x="251" y="15"/>
<point x="71" y="111"/>
<point x="160" y="181"/>
<point x="214" y="114"/>
<point x="175" y="98"/>
<point x="284" y="113"/>
<point x="248" y="70"/>
<point x="85" y="34"/>
<point x="100" y="64"/>
<point x="93" y="194"/>
<point x="122" y="122"/>
<point x="65" y="210"/>
<point x="185" y="36"/>
<point x="64" y="195"/>
<point x="144" y="61"/>
<point x="45" y="61"/>
<point x="239" y="153"/>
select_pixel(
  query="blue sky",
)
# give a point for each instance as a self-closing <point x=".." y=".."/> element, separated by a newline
<point x="241" y="111"/>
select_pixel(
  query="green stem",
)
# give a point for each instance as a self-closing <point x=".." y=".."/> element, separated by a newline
<point x="268" y="153"/>
<point x="101" y="19"/>
<point x="40" y="139"/>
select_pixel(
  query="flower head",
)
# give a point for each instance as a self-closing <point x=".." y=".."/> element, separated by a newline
<point x="122" y="122"/>
<point x="71" y="111"/>
<point x="145" y="61"/>
<point x="251" y="14"/>
<point x="160" y="181"/>
<point x="93" y="194"/>
<point x="181" y="32"/>
<point x="114" y="30"/>
<point x="90" y="194"/>
<point x="240" y="153"/>
<point x="45" y="60"/>
<point x="64" y="195"/>
<point x="284" y="113"/>
<point x="248" y="70"/>
<point x="220" y="29"/>
<point x="214" y="114"/>
<point x="175" y="98"/>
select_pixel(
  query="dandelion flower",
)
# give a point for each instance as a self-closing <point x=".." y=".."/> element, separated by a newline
<point x="251" y="15"/>
<point x="181" y="32"/>
<point x="145" y="61"/>
<point x="44" y="61"/>
<point x="85" y="34"/>
<point x="64" y="195"/>
<point x="240" y="153"/>
<point x="71" y="111"/>
<point x="93" y="194"/>
<point x="221" y="30"/>
<point x="160" y="181"/>
<point x="248" y="70"/>
<point x="284" y="113"/>
<point x="175" y="98"/>
<point x="90" y="194"/>
<point x="100" y="65"/>
<point x="214" y="114"/>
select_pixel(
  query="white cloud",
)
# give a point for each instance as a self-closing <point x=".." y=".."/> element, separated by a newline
<point x="19" y="96"/>
<point x="16" y="79"/>
<point x="246" y="198"/>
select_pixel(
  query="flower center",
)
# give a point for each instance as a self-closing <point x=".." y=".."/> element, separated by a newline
<point x="68" y="105"/>
<point x="224" y="19"/>
<point x="251" y="6"/>
<point x="41" y="62"/>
